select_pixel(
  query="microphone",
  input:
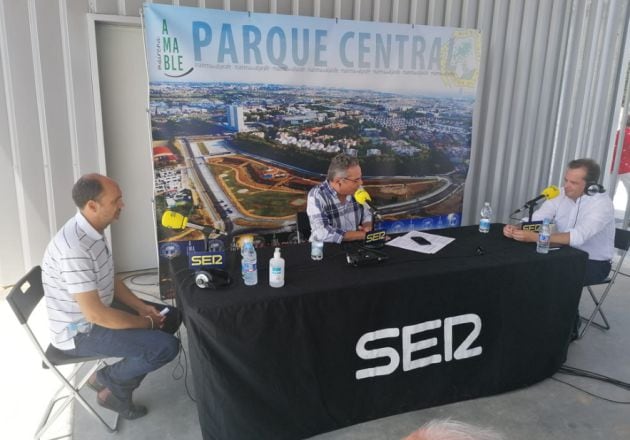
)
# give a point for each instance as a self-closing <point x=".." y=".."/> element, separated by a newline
<point x="363" y="198"/>
<point x="175" y="220"/>
<point x="552" y="191"/>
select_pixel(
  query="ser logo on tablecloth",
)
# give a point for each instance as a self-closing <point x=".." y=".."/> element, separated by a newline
<point x="463" y="351"/>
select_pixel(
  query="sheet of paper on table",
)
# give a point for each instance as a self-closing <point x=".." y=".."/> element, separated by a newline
<point x="437" y="242"/>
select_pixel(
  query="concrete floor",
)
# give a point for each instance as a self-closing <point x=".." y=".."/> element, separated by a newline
<point x="548" y="410"/>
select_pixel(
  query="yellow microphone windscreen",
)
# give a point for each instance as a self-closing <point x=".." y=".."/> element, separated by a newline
<point x="174" y="220"/>
<point x="362" y="196"/>
<point x="551" y="192"/>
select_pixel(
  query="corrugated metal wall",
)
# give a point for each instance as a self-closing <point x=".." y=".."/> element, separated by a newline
<point x="549" y="91"/>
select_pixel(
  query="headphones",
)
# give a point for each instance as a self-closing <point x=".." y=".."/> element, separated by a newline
<point x="212" y="279"/>
<point x="593" y="188"/>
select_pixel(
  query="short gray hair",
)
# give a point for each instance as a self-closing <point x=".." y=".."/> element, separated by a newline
<point x="339" y="166"/>
<point x="447" y="429"/>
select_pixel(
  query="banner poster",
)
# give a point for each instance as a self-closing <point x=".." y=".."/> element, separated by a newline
<point x="247" y="109"/>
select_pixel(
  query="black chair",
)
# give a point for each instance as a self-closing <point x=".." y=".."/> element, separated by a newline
<point x="303" y="226"/>
<point x="23" y="299"/>
<point x="622" y="244"/>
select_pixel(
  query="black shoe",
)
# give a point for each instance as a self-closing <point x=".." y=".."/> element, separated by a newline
<point x="127" y="410"/>
<point x="94" y="384"/>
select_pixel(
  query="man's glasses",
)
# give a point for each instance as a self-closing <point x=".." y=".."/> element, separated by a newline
<point x="357" y="180"/>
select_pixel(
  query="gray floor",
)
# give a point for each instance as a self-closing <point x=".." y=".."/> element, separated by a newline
<point x="547" y="410"/>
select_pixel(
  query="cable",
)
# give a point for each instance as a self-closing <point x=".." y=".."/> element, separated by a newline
<point x="573" y="371"/>
<point x="589" y="393"/>
<point x="135" y="283"/>
<point x="183" y="366"/>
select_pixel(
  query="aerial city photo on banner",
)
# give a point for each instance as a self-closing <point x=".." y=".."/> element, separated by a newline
<point x="248" y="109"/>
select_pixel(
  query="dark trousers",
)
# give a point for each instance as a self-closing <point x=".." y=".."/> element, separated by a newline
<point x="142" y="350"/>
<point x="596" y="271"/>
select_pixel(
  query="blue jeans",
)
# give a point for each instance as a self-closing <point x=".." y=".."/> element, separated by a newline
<point x="142" y="351"/>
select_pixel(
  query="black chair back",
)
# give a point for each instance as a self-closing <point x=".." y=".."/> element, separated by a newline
<point x="26" y="294"/>
<point x="622" y="239"/>
<point x="303" y="225"/>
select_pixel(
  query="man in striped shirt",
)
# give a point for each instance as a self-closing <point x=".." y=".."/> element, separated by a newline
<point x="93" y="313"/>
<point x="333" y="213"/>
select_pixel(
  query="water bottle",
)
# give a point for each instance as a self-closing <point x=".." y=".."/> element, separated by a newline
<point x="486" y="215"/>
<point x="249" y="268"/>
<point x="544" y="237"/>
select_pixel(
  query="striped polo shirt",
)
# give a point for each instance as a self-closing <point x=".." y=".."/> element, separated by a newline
<point x="76" y="260"/>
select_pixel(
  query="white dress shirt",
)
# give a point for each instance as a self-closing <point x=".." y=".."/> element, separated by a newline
<point x="590" y="221"/>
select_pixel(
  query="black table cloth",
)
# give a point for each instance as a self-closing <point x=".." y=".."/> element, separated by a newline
<point x="339" y="345"/>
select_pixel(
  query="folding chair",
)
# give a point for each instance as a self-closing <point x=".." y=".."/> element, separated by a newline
<point x="23" y="299"/>
<point x="622" y="244"/>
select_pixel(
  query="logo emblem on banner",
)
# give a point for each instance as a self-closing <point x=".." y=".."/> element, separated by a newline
<point x="170" y="60"/>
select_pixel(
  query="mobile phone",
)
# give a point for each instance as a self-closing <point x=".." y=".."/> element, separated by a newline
<point x="421" y="241"/>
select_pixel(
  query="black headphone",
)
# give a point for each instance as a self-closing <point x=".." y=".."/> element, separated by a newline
<point x="212" y="279"/>
<point x="593" y="188"/>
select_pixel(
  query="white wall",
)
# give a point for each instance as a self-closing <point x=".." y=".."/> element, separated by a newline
<point x="549" y="91"/>
<point x="127" y="137"/>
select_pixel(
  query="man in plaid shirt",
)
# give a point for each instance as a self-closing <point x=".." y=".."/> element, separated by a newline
<point x="334" y="215"/>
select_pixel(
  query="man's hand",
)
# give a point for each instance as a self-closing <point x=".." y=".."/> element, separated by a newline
<point x="508" y="230"/>
<point x="153" y="313"/>
<point x="354" y="235"/>
<point x="98" y="313"/>
<point x="518" y="234"/>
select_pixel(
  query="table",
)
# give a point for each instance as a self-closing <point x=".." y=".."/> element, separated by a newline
<point x="340" y="345"/>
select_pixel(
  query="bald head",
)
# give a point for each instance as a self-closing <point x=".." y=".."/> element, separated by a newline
<point x="88" y="187"/>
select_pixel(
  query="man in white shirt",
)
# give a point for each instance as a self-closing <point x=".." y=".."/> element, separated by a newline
<point x="584" y="217"/>
<point x="91" y="312"/>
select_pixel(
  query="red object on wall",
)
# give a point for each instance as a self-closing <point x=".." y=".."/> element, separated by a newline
<point x="624" y="164"/>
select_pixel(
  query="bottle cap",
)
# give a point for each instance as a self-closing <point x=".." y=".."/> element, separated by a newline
<point x="276" y="253"/>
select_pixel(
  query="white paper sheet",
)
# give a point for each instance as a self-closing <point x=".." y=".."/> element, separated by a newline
<point x="405" y="242"/>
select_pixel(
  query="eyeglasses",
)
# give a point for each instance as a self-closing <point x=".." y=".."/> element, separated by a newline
<point x="357" y="180"/>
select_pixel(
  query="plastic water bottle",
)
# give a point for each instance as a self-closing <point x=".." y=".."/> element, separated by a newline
<point x="249" y="268"/>
<point x="544" y="237"/>
<point x="486" y="215"/>
<point x="276" y="270"/>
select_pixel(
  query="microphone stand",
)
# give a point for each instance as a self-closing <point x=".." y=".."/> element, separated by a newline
<point x="376" y="216"/>
<point x="531" y="210"/>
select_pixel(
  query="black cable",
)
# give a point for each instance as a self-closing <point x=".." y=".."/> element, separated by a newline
<point x="589" y="393"/>
<point x="183" y="352"/>
<point x="135" y="283"/>
<point x="181" y="368"/>
<point x="136" y="274"/>
<point x="573" y="371"/>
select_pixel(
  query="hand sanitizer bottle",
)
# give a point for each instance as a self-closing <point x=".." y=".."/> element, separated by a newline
<point x="276" y="270"/>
